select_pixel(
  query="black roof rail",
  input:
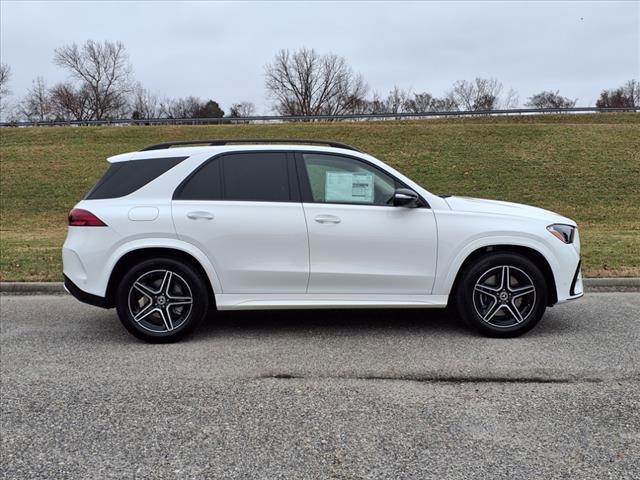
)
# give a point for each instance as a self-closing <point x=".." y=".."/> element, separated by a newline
<point x="227" y="141"/>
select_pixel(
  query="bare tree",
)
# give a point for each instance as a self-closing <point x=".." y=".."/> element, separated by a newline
<point x="550" y="100"/>
<point x="445" y="104"/>
<point x="614" y="99"/>
<point x="397" y="100"/>
<point x="481" y="94"/>
<point x="376" y="104"/>
<point x="511" y="100"/>
<point x="242" y="109"/>
<point x="632" y="87"/>
<point x="5" y="77"/>
<point x="421" y="102"/>
<point x="307" y="83"/>
<point x="103" y="70"/>
<point x="190" y="107"/>
<point x="425" y="102"/>
<point x="36" y="105"/>
<point x="180" y="107"/>
<point x="70" y="103"/>
<point x="356" y="105"/>
<point x="400" y="100"/>
<point x="626" y="96"/>
<point x="144" y="104"/>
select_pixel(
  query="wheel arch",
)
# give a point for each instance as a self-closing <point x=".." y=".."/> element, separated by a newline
<point x="137" y="255"/>
<point x="528" y="252"/>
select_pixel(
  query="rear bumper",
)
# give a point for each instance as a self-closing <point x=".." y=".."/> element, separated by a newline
<point x="83" y="296"/>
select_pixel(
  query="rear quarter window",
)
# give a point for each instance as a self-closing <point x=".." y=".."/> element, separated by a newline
<point x="123" y="178"/>
<point x="204" y="184"/>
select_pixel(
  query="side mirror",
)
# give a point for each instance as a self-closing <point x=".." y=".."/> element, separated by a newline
<point x="405" y="197"/>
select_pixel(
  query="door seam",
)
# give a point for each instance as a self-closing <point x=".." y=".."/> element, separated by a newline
<point x="306" y="224"/>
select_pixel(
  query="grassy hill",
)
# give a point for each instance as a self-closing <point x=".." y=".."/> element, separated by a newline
<point x="586" y="167"/>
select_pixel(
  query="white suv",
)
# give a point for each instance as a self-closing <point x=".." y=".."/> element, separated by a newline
<point x="180" y="228"/>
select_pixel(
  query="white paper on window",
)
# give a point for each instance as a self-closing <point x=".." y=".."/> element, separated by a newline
<point x="349" y="187"/>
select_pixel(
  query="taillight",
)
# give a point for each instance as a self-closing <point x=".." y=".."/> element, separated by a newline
<point x="82" y="218"/>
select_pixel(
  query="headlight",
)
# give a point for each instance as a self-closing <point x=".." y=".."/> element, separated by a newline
<point x="562" y="232"/>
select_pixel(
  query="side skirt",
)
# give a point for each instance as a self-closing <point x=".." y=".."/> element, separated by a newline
<point x="249" y="301"/>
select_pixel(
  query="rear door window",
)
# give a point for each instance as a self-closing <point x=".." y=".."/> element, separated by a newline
<point x="246" y="176"/>
<point x="260" y="177"/>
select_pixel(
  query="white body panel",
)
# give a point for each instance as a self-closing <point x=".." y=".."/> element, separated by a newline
<point x="371" y="249"/>
<point x="466" y="230"/>
<point x="258" y="247"/>
<point x="275" y="255"/>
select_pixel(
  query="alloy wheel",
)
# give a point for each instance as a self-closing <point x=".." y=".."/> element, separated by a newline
<point x="160" y="301"/>
<point x="504" y="296"/>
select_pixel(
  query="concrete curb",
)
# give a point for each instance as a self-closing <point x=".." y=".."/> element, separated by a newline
<point x="612" y="282"/>
<point x="53" y="288"/>
<point x="32" y="287"/>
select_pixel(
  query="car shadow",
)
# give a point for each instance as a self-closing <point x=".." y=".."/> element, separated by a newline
<point x="444" y="322"/>
<point x="330" y="321"/>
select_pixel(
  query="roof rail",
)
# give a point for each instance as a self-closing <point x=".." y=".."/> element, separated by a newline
<point x="227" y="141"/>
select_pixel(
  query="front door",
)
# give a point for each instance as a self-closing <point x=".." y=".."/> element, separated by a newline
<point x="359" y="243"/>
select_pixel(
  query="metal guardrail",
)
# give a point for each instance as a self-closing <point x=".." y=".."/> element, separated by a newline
<point x="316" y="118"/>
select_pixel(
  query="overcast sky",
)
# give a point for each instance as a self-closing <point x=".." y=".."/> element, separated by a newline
<point x="218" y="50"/>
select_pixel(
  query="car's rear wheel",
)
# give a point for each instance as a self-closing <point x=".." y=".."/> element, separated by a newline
<point x="502" y="295"/>
<point x="161" y="300"/>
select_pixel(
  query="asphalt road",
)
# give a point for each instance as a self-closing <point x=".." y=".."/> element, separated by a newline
<point x="330" y="394"/>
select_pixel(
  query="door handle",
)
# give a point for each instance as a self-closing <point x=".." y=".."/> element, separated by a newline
<point x="200" y="215"/>
<point x="327" y="219"/>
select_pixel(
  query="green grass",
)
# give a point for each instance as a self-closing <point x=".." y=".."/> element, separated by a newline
<point x="586" y="167"/>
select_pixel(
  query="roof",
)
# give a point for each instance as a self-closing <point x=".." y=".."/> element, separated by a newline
<point x="212" y="150"/>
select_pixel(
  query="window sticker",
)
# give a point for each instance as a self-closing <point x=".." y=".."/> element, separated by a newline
<point x="348" y="187"/>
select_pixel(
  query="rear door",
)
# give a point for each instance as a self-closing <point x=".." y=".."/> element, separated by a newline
<point x="359" y="243"/>
<point x="244" y="211"/>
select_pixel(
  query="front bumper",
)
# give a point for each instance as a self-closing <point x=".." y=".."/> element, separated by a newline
<point x="577" y="288"/>
<point x="83" y="296"/>
<point x="576" y="285"/>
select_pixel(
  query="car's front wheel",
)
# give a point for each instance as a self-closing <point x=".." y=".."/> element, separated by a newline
<point x="161" y="300"/>
<point x="502" y="295"/>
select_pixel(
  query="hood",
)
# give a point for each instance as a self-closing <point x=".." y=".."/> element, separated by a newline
<point x="496" y="207"/>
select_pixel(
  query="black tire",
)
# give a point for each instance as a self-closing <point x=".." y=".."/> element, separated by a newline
<point x="485" y="304"/>
<point x="156" y="292"/>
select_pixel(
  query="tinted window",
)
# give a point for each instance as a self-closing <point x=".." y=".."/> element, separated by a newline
<point x="124" y="178"/>
<point x="262" y="177"/>
<point x="335" y="179"/>
<point x="204" y="184"/>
